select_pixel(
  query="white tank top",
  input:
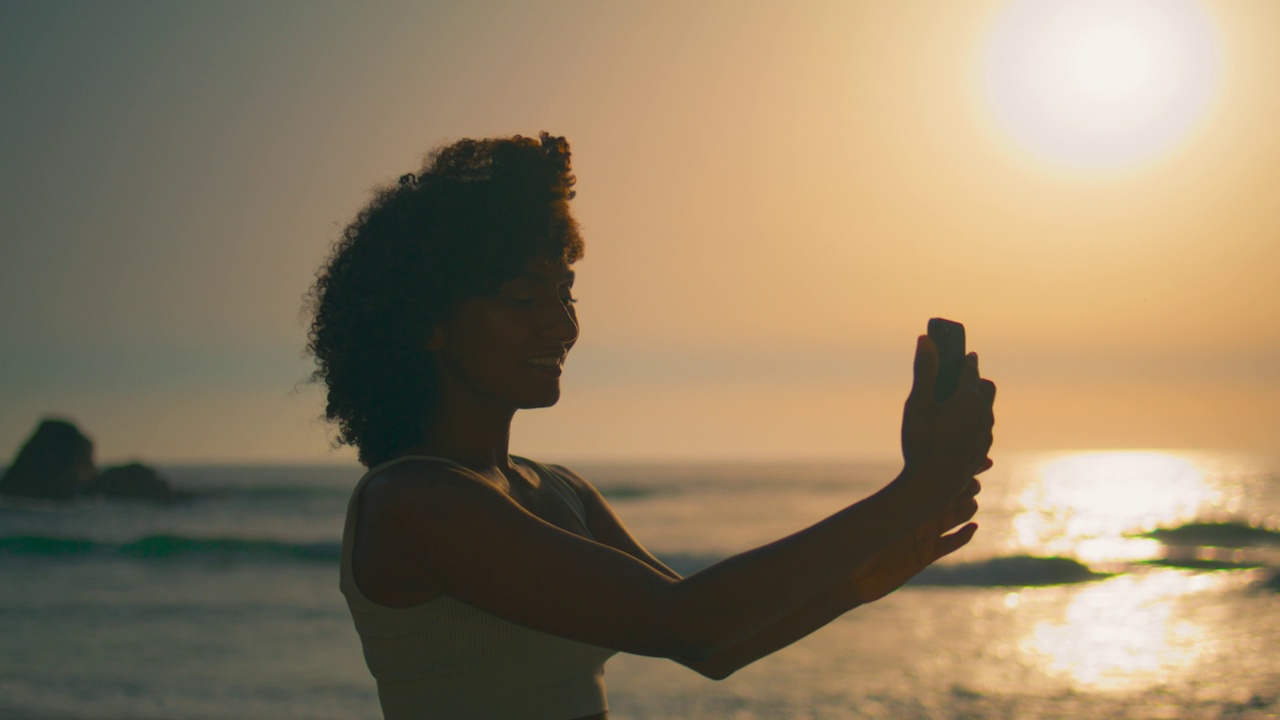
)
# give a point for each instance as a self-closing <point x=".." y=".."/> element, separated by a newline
<point x="447" y="659"/>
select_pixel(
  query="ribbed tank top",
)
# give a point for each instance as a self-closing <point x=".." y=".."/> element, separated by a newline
<point x="447" y="659"/>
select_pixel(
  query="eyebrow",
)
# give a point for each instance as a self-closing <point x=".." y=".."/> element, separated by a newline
<point x="568" y="276"/>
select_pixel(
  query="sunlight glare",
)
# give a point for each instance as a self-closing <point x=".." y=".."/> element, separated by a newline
<point x="1089" y="504"/>
<point x="1124" y="634"/>
<point x="1100" y="83"/>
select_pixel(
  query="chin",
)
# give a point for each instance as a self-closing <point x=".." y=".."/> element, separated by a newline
<point x="542" y="400"/>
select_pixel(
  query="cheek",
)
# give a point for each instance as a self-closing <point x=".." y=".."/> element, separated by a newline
<point x="490" y="333"/>
<point x="503" y="326"/>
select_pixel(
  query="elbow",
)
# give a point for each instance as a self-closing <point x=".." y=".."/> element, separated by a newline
<point x="705" y="657"/>
<point x="688" y="638"/>
<point x="677" y="632"/>
<point x="709" y="668"/>
<point x="695" y="655"/>
<point x="717" y="673"/>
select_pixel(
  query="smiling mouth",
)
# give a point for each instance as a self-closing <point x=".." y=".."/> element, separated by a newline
<point x="551" y="364"/>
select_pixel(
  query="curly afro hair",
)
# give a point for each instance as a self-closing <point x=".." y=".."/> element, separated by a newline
<point x="475" y="214"/>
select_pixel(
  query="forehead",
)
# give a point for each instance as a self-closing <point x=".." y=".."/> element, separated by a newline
<point x="543" y="270"/>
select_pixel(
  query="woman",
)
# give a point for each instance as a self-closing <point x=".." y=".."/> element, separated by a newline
<point x="485" y="585"/>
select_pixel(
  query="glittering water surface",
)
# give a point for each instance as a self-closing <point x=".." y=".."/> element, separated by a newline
<point x="1101" y="585"/>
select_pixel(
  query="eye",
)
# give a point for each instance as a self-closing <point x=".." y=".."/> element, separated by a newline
<point x="517" y="294"/>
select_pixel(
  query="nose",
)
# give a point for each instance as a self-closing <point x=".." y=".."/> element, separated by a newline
<point x="562" y="324"/>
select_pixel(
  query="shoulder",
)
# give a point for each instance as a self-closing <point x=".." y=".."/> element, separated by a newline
<point x="606" y="526"/>
<point x="584" y="489"/>
<point x="417" y="468"/>
<point x="413" y="485"/>
<point x="585" y="492"/>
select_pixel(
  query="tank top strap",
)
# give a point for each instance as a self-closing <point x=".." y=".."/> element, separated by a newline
<point x="561" y="487"/>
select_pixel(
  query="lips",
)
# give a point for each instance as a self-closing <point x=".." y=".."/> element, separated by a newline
<point x="550" y="364"/>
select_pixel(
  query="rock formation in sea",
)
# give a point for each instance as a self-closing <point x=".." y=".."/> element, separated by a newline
<point x="134" y="480"/>
<point x="56" y="463"/>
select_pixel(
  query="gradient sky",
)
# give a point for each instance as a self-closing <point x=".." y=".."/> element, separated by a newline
<point x="776" y="196"/>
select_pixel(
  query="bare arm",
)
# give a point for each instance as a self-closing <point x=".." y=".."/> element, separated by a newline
<point x="605" y="525"/>
<point x="901" y="560"/>
<point x="486" y="550"/>
<point x="884" y="573"/>
<point x="878" y="577"/>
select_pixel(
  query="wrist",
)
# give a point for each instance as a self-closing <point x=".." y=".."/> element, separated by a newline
<point x="920" y="489"/>
<point x="844" y="596"/>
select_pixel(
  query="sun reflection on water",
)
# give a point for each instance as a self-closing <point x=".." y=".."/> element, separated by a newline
<point x="1089" y="505"/>
<point x="1125" y="633"/>
<point x="1140" y="628"/>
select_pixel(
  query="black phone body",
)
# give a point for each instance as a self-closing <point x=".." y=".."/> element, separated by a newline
<point x="948" y="337"/>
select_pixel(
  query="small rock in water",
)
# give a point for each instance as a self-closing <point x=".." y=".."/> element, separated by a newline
<point x="56" y="463"/>
<point x="134" y="480"/>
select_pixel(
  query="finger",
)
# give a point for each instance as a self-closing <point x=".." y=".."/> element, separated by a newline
<point x="988" y="390"/>
<point x="925" y="369"/>
<point x="984" y="449"/>
<point x="987" y="393"/>
<point x="961" y="511"/>
<point x="981" y="459"/>
<point x="948" y="544"/>
<point x="987" y="397"/>
<point x="971" y="489"/>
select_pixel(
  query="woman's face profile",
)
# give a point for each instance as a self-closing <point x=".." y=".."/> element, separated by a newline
<point x="509" y="348"/>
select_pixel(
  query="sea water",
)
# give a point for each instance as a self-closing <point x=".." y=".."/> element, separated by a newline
<point x="1100" y="585"/>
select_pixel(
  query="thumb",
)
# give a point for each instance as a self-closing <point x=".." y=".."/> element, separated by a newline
<point x="926" y="369"/>
<point x="948" y="544"/>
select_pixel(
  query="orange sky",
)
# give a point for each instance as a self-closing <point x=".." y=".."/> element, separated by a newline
<point x="775" y="198"/>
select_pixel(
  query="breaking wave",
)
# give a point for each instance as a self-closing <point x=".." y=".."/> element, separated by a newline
<point x="1226" y="534"/>
<point x="1016" y="570"/>
<point x="159" y="547"/>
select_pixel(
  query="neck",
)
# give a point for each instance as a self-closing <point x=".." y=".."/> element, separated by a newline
<point x="474" y="436"/>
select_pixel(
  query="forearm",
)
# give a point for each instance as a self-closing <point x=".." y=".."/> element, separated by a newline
<point x="910" y="554"/>
<point x="944" y="444"/>
<point x="818" y="612"/>
<point x="739" y="598"/>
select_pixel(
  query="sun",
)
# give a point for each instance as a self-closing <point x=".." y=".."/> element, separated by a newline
<point x="1100" y="83"/>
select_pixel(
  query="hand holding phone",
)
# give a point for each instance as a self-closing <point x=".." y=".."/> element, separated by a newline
<point x="946" y="436"/>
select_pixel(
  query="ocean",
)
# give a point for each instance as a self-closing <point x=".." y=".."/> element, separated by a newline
<point x="1100" y="585"/>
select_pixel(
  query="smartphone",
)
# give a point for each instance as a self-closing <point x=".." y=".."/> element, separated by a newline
<point x="948" y="337"/>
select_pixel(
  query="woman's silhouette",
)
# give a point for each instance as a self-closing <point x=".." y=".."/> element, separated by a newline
<point x="485" y="585"/>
